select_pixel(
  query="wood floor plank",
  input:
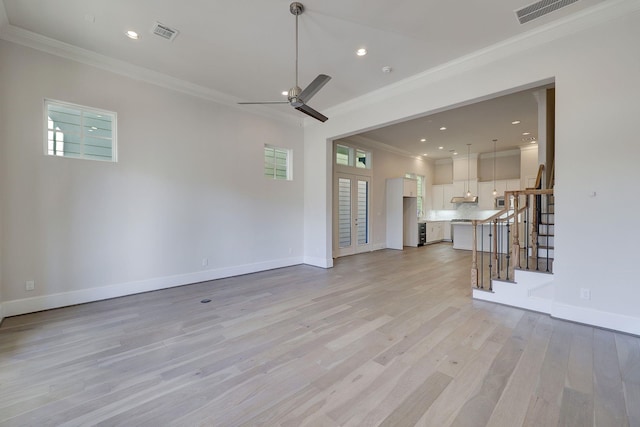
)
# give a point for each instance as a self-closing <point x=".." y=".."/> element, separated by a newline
<point x="545" y="403"/>
<point x="512" y="406"/>
<point x="609" y="404"/>
<point x="414" y="406"/>
<point x="478" y="409"/>
<point x="383" y="338"/>
<point x="629" y="359"/>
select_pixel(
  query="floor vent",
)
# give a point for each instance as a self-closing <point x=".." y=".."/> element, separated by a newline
<point x="540" y="8"/>
<point x="164" y="31"/>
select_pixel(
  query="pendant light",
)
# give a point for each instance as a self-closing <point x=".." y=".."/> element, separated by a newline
<point x="495" y="192"/>
<point x="468" y="174"/>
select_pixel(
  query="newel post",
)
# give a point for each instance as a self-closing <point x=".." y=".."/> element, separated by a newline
<point x="474" y="255"/>
<point x="515" y="248"/>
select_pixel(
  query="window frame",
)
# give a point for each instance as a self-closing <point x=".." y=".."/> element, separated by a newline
<point x="83" y="110"/>
<point x="359" y="160"/>
<point x="289" y="163"/>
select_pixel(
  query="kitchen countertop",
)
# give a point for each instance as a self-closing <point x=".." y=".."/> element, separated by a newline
<point x="454" y="215"/>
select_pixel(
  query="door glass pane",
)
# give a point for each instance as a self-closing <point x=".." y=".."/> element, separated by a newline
<point x="363" y="212"/>
<point x="344" y="212"/>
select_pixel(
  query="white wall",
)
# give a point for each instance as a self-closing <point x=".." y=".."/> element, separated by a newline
<point x="188" y="185"/>
<point x="529" y="165"/>
<point x="507" y="166"/>
<point x="443" y="172"/>
<point x="593" y="60"/>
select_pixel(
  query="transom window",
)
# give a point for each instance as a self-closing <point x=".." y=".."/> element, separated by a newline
<point x="79" y="132"/>
<point x="277" y="163"/>
<point x="354" y="157"/>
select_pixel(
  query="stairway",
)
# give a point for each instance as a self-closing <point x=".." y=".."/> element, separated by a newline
<point x="529" y="286"/>
<point x="545" y="253"/>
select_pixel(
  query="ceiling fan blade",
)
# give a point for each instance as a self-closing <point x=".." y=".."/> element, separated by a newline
<point x="311" y="112"/>
<point x="266" y="102"/>
<point x="313" y="87"/>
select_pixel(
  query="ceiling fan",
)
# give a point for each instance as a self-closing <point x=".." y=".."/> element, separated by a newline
<point x="297" y="97"/>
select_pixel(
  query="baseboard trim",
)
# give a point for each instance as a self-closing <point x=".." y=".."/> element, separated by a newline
<point x="318" y="262"/>
<point x="47" y="302"/>
<point x="602" y="319"/>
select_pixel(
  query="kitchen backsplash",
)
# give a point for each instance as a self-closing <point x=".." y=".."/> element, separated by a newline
<point x="463" y="211"/>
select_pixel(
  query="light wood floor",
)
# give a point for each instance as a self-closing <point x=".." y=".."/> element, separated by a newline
<point x="389" y="338"/>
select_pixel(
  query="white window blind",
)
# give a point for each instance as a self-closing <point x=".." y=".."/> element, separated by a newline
<point x="277" y="163"/>
<point x="79" y="132"/>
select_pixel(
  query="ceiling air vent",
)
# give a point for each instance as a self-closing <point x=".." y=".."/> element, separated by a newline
<point x="164" y="31"/>
<point x="540" y="8"/>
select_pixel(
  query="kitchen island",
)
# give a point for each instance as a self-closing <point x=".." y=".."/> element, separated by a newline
<point x="463" y="236"/>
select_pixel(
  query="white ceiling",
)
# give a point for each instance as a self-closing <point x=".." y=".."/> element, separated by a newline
<point x="477" y="124"/>
<point x="245" y="48"/>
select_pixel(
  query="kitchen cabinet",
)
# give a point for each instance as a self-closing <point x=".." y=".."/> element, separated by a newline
<point x="435" y="231"/>
<point x="486" y="199"/>
<point x="402" y="214"/>
<point x="446" y="231"/>
<point x="463" y="236"/>
<point x="441" y="195"/>
<point x="513" y="184"/>
<point x="410" y="188"/>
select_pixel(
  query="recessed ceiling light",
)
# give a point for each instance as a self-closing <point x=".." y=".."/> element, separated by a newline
<point x="443" y="128"/>
<point x="533" y="141"/>
<point x="515" y="122"/>
<point x="285" y="92"/>
<point x="526" y="133"/>
<point x="94" y="128"/>
<point x="387" y="69"/>
<point x="455" y="153"/>
<point x="425" y="154"/>
<point x="423" y="140"/>
<point x="361" y="52"/>
<point x="132" y="35"/>
<point x="440" y="148"/>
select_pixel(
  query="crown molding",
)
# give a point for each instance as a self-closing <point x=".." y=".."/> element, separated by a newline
<point x="372" y="143"/>
<point x="600" y="13"/>
<point x="529" y="147"/>
<point x="48" y="45"/>
<point x="503" y="153"/>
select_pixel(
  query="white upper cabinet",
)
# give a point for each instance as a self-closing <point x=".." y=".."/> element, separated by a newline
<point x="410" y="188"/>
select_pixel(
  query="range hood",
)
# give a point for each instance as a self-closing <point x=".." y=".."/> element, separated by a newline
<point x="464" y="199"/>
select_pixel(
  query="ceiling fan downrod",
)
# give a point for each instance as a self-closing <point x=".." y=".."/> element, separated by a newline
<point x="296" y="9"/>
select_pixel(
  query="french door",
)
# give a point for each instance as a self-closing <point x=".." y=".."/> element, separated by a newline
<point x="351" y="231"/>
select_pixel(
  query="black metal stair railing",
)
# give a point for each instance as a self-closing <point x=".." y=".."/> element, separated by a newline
<point x="517" y="237"/>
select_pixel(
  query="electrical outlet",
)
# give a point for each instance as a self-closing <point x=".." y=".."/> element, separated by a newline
<point x="585" y="293"/>
<point x="205" y="262"/>
<point x="29" y="285"/>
